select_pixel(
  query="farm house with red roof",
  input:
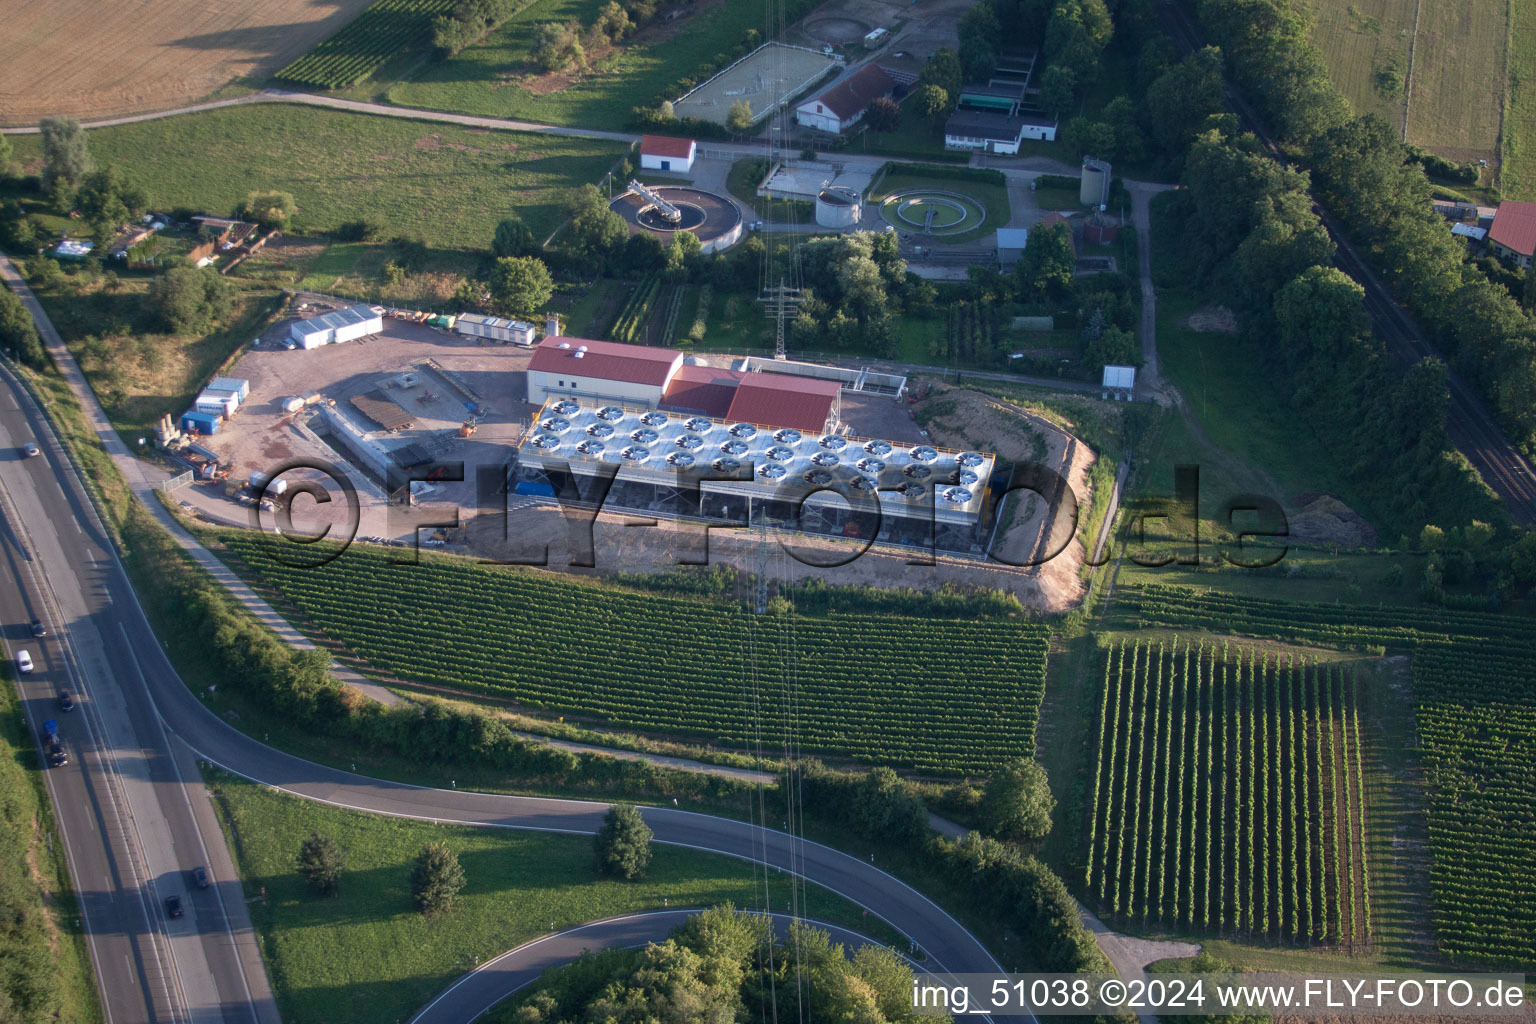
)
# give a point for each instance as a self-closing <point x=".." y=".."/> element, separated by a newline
<point x="663" y="153"/>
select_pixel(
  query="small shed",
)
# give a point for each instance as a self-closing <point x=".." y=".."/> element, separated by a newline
<point x="239" y="385"/>
<point x="1118" y="381"/>
<point x="220" y="403"/>
<point x="1471" y="231"/>
<point x="1010" y="245"/>
<point x="193" y="422"/>
<point x="663" y="153"/>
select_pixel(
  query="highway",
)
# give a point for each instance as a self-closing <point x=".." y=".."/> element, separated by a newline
<point x="1468" y="423"/>
<point x="139" y="731"/>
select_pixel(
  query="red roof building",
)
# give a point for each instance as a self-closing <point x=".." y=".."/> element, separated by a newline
<point x="781" y="400"/>
<point x="1513" y="233"/>
<point x="843" y="105"/>
<point x="702" y="390"/>
<point x="581" y="367"/>
<point x="663" y="153"/>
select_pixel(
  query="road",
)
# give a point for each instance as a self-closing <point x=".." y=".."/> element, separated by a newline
<point x="146" y="714"/>
<point x="1470" y="426"/>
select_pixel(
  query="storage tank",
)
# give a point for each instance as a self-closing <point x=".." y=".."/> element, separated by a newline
<point x="1094" y="190"/>
<point x="838" y="207"/>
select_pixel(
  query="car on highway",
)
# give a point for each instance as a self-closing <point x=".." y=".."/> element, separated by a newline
<point x="31" y="449"/>
<point x="38" y="629"/>
<point x="200" y="877"/>
<point x="58" y="757"/>
<point x="173" y="906"/>
<point x="23" y="662"/>
<point x="66" y="701"/>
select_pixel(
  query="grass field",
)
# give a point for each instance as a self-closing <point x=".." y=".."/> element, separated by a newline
<point x="45" y="969"/>
<point x="366" y="955"/>
<point x="1517" y="157"/>
<point x="497" y="77"/>
<point x="447" y="185"/>
<point x="85" y="59"/>
<point x="1458" y="62"/>
<point x="559" y="645"/>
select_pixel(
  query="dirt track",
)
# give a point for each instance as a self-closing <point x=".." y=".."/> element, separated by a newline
<point x="83" y="58"/>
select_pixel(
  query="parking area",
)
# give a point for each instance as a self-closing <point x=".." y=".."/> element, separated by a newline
<point x="437" y="380"/>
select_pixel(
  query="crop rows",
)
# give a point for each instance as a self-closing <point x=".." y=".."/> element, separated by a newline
<point x="953" y="696"/>
<point x="630" y="325"/>
<point x="1228" y="796"/>
<point x="1474" y="692"/>
<point x="366" y="43"/>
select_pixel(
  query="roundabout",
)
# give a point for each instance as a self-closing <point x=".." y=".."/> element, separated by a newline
<point x="663" y="210"/>
<point x="932" y="211"/>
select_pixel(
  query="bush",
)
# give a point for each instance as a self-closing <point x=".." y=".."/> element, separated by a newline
<point x="623" y="844"/>
<point x="189" y="300"/>
<point x="322" y="862"/>
<point x="437" y="879"/>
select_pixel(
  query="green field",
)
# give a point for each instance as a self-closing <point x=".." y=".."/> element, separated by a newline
<point x="1458" y="62"/>
<point x="1517" y="155"/>
<point x="1474" y="703"/>
<point x="45" y="969"/>
<point x="447" y="185"/>
<point x="867" y="686"/>
<point x="367" y="43"/>
<point x="366" y="954"/>
<point x="1227" y="795"/>
<point x="496" y="77"/>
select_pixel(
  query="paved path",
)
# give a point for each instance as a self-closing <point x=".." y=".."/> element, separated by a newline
<point x="1149" y="379"/>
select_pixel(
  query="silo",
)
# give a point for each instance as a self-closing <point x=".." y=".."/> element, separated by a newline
<point x="837" y="207"/>
<point x="1094" y="190"/>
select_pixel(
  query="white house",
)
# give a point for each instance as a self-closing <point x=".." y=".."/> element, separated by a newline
<point x="842" y="106"/>
<point x="660" y="153"/>
<point x="564" y="367"/>
<point x="336" y="327"/>
<point x="994" y="132"/>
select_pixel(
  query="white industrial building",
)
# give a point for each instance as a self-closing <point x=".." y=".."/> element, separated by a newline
<point x="993" y="132"/>
<point x="663" y="153"/>
<point x="334" y="328"/>
<point x="477" y="325"/>
<point x="843" y="105"/>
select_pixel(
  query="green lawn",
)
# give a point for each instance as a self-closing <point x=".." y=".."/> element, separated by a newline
<point x="1057" y="199"/>
<point x="1517" y="151"/>
<point x="44" y="965"/>
<point x="446" y="184"/>
<point x="366" y="955"/>
<point x="497" y="78"/>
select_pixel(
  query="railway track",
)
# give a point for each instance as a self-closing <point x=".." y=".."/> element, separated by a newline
<point x="1468" y="424"/>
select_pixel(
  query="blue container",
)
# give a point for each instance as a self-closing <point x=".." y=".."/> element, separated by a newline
<point x="194" y="422"/>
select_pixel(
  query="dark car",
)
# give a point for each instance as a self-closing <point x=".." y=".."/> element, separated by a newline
<point x="66" y="701"/>
<point x="200" y="877"/>
<point x="173" y="906"/>
<point x="38" y="629"/>
<point x="57" y="755"/>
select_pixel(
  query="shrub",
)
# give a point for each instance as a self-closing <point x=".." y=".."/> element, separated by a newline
<point x="623" y="843"/>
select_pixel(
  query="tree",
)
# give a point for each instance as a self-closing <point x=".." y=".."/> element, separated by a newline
<point x="932" y="102"/>
<point x="1181" y="98"/>
<point x="1087" y="137"/>
<point x="1112" y="347"/>
<point x="557" y="47"/>
<point x="520" y="285"/>
<point x="269" y="209"/>
<point x="437" y="879"/>
<point x="613" y="22"/>
<point x="7" y="155"/>
<point x="322" y="862"/>
<point x="107" y="201"/>
<point x="881" y="808"/>
<point x="189" y="300"/>
<point x="513" y="238"/>
<point x="682" y="255"/>
<point x="1017" y="801"/>
<point x="1045" y="267"/>
<point x="883" y="115"/>
<point x="623" y="843"/>
<point x="1528" y="292"/>
<point x="597" y="234"/>
<point x="66" y="157"/>
<point x="943" y="70"/>
<point x="1058" y="88"/>
<point x="738" y="120"/>
<point x="17" y="331"/>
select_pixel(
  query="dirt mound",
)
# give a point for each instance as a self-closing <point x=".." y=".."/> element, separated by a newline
<point x="1219" y="319"/>
<point x="1324" y="519"/>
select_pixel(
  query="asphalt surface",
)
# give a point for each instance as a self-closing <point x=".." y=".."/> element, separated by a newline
<point x="138" y="722"/>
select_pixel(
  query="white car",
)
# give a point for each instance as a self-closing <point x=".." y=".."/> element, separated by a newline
<point x="31" y="449"/>
<point x="23" y="662"/>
